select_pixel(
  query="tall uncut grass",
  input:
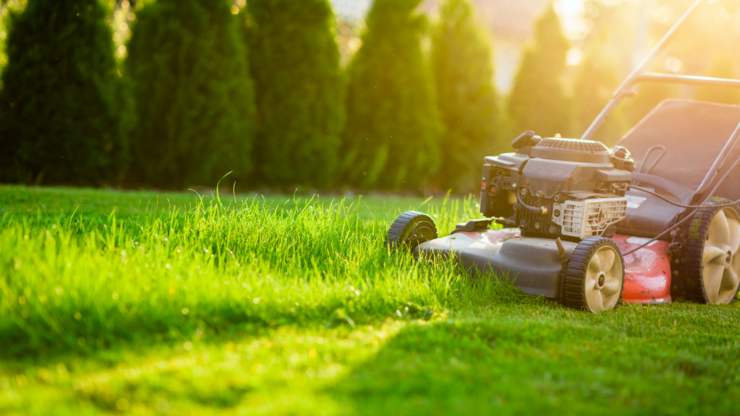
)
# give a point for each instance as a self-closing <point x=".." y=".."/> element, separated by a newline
<point x="76" y="282"/>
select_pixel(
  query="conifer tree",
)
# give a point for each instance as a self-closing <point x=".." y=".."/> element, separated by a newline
<point x="393" y="124"/>
<point x="538" y="101"/>
<point x="597" y="75"/>
<point x="462" y="60"/>
<point x="194" y="95"/>
<point x="299" y="86"/>
<point x="63" y="114"/>
<point x="594" y="83"/>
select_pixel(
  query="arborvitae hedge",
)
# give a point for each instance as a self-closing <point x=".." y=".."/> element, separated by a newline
<point x="462" y="60"/>
<point x="63" y="116"/>
<point x="393" y="125"/>
<point x="595" y="81"/>
<point x="538" y="101"/>
<point x="194" y="95"/>
<point x="295" y="64"/>
<point x="597" y="77"/>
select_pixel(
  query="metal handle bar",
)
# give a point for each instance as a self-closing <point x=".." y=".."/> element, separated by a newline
<point x="685" y="80"/>
<point x="620" y="93"/>
<point x="719" y="162"/>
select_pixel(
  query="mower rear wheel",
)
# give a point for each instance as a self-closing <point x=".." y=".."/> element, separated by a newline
<point x="411" y="229"/>
<point x="594" y="277"/>
<point x="709" y="259"/>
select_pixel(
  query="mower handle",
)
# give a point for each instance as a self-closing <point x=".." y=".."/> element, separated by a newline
<point x="685" y="80"/>
<point x="624" y="89"/>
<point x="719" y="163"/>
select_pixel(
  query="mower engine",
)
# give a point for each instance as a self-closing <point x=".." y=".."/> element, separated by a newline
<point x="558" y="188"/>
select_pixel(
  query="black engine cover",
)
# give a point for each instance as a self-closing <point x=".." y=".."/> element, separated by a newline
<point x="516" y="184"/>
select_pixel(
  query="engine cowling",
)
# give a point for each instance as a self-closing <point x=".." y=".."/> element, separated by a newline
<point x="556" y="187"/>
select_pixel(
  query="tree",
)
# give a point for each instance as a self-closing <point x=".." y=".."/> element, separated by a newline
<point x="599" y="73"/>
<point x="393" y="124"/>
<point x="63" y="113"/>
<point x="538" y="101"/>
<point x="194" y="95"/>
<point x="463" y="73"/>
<point x="593" y="86"/>
<point x="7" y="6"/>
<point x="295" y="64"/>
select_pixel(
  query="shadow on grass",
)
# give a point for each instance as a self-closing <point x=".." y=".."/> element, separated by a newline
<point x="45" y="336"/>
<point x="514" y="357"/>
<point x="502" y="366"/>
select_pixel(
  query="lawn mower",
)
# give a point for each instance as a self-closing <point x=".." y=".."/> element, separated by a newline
<point x="652" y="219"/>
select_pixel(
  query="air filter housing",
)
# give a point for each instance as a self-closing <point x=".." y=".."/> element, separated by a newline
<point x="571" y="150"/>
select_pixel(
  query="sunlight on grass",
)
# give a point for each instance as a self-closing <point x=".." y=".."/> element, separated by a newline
<point x="290" y="305"/>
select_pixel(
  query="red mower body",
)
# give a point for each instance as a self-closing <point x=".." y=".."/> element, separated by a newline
<point x="647" y="277"/>
<point x="647" y="270"/>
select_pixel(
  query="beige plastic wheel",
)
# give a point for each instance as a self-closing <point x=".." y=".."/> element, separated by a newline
<point x="594" y="278"/>
<point x="720" y="259"/>
<point x="604" y="280"/>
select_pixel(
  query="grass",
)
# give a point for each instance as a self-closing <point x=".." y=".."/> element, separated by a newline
<point x="145" y="303"/>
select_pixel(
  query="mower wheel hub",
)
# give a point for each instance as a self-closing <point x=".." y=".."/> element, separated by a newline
<point x="600" y="282"/>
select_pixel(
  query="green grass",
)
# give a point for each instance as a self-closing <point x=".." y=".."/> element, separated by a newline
<point x="146" y="303"/>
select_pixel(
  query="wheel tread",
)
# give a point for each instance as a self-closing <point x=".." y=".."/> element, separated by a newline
<point x="574" y="275"/>
<point x="405" y="223"/>
<point x="690" y="282"/>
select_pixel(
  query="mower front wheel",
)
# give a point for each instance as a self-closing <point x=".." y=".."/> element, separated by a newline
<point x="411" y="229"/>
<point x="594" y="277"/>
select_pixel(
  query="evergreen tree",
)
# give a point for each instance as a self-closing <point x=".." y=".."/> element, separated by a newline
<point x="6" y="7"/>
<point x="194" y="95"/>
<point x="598" y="76"/>
<point x="463" y="73"/>
<point x="722" y="67"/>
<point x="300" y="103"/>
<point x="63" y="114"/>
<point x="538" y="101"/>
<point x="393" y="125"/>
<point x="594" y="83"/>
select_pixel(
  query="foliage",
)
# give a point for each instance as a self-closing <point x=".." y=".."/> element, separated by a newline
<point x="295" y="64"/>
<point x="63" y="111"/>
<point x="461" y="61"/>
<point x="593" y="87"/>
<point x="280" y="306"/>
<point x="5" y="9"/>
<point x="194" y="95"/>
<point x="393" y="124"/>
<point x="538" y="100"/>
<point x="600" y="72"/>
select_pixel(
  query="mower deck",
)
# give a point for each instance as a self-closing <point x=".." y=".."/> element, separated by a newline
<point x="534" y="264"/>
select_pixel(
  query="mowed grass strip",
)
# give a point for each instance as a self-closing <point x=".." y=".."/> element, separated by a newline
<point x="288" y="306"/>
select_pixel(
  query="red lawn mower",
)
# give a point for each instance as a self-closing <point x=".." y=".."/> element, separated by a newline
<point x="653" y="218"/>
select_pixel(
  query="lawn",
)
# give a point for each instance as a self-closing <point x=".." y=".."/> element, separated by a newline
<point x="175" y="303"/>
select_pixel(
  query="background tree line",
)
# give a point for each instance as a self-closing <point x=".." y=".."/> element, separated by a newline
<point x="207" y="88"/>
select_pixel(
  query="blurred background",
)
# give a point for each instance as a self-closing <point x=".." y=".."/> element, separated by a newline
<point x="326" y="94"/>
